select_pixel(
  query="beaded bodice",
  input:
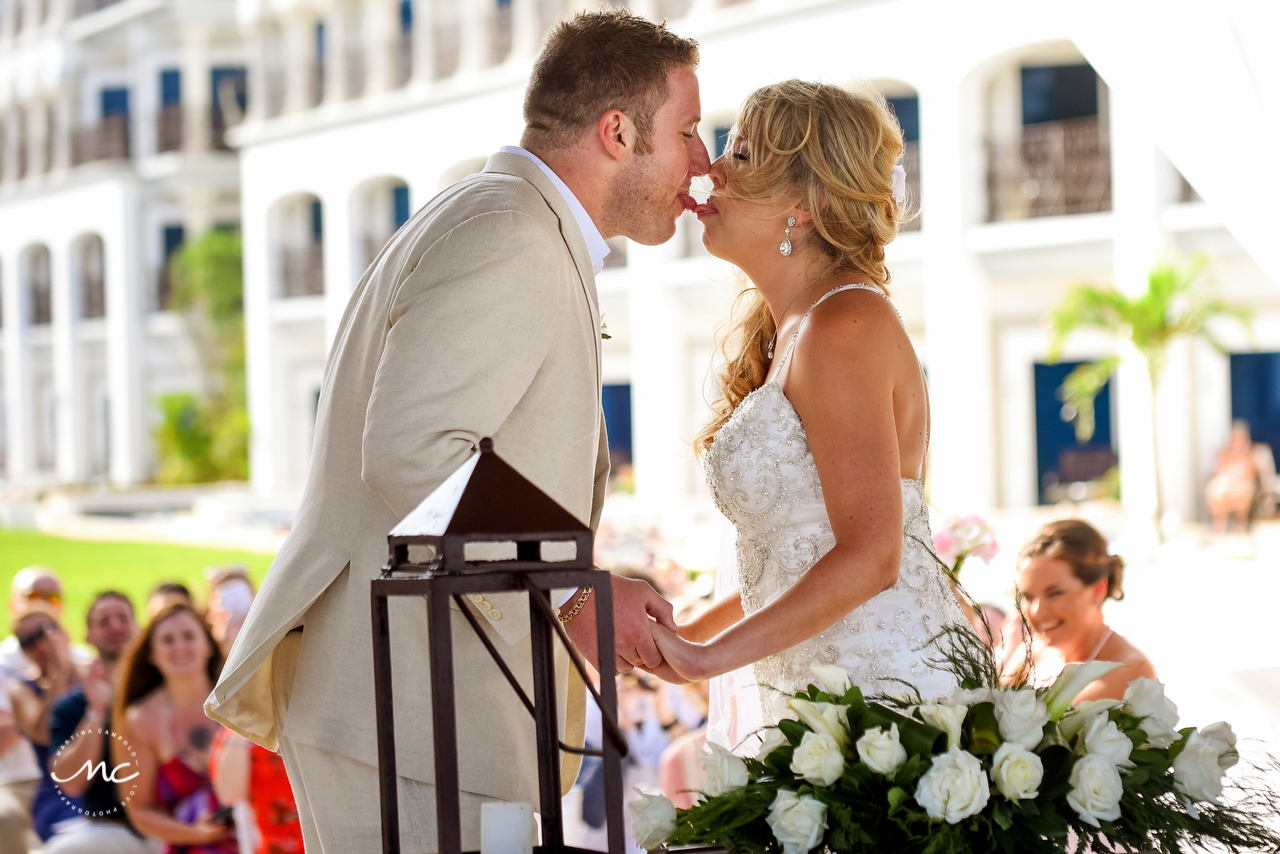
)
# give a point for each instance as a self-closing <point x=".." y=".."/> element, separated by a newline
<point x="763" y="477"/>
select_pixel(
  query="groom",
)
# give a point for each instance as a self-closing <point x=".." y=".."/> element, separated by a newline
<point x="479" y="318"/>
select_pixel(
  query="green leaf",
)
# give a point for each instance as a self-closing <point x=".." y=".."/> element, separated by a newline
<point x="793" y="730"/>
<point x="897" y="796"/>
<point x="983" y="729"/>
<point x="1001" y="817"/>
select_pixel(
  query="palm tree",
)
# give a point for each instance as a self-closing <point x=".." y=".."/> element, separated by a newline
<point x="1172" y="306"/>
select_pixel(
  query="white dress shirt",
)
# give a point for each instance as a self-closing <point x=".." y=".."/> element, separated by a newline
<point x="596" y="247"/>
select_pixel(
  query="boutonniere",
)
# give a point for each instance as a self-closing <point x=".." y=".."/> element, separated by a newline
<point x="604" y="328"/>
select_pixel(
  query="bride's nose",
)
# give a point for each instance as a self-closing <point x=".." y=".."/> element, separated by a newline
<point x="716" y="173"/>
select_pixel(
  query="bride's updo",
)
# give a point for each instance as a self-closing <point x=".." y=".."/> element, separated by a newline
<point x="835" y="149"/>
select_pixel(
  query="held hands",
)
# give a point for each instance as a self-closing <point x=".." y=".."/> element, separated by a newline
<point x="683" y="661"/>
<point x="636" y="607"/>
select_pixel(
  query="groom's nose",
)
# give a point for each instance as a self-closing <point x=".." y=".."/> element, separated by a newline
<point x="701" y="161"/>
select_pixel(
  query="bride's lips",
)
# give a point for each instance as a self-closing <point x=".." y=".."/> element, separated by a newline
<point x="707" y="207"/>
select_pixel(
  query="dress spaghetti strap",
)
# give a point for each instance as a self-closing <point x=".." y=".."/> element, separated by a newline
<point x="795" y="338"/>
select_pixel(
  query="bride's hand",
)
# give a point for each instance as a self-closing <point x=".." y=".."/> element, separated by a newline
<point x="682" y="661"/>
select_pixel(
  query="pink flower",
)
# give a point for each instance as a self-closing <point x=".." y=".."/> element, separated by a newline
<point x="944" y="544"/>
<point x="988" y="549"/>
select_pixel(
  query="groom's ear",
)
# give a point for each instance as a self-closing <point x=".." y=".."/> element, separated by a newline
<point x="616" y="135"/>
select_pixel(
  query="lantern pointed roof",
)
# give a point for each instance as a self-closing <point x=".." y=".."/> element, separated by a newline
<point x="486" y="496"/>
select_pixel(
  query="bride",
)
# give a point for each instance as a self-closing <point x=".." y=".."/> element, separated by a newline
<point x="817" y="447"/>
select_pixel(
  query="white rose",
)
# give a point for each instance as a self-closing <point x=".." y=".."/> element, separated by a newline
<point x="1103" y="738"/>
<point x="831" y="718"/>
<point x="1095" y="789"/>
<point x="1224" y="740"/>
<point x="834" y="680"/>
<point x="771" y="741"/>
<point x="1196" y="772"/>
<point x="882" y="751"/>
<point x="798" y="823"/>
<point x="972" y="696"/>
<point x="724" y="770"/>
<point x="818" y="759"/>
<point x="1017" y="772"/>
<point x="1144" y="698"/>
<point x="954" y="787"/>
<point x="949" y="719"/>
<point x="1022" y="716"/>
<point x="654" y="820"/>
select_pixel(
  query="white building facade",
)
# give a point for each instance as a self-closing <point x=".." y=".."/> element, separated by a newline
<point x="112" y="155"/>
<point x="1032" y="173"/>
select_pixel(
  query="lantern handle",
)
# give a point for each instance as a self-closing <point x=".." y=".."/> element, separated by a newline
<point x="609" y="723"/>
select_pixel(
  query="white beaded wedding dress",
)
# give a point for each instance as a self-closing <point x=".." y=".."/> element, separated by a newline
<point x="764" y="480"/>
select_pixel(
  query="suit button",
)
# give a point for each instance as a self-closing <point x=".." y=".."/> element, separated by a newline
<point x="476" y="597"/>
<point x="495" y="614"/>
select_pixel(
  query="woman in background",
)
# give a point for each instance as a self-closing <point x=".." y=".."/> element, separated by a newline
<point x="1064" y="576"/>
<point x="163" y="682"/>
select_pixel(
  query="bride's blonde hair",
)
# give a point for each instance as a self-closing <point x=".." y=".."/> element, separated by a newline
<point x="835" y="150"/>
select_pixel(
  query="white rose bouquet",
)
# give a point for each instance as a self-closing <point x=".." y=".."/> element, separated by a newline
<point x="989" y="769"/>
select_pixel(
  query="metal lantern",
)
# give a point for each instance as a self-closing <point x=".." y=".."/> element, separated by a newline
<point x="487" y="501"/>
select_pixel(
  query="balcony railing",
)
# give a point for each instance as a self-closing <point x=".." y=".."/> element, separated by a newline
<point x="302" y="270"/>
<point x="1056" y="168"/>
<point x="169" y="128"/>
<point x="108" y="140"/>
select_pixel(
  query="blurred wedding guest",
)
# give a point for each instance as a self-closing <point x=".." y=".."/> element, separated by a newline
<point x="244" y="772"/>
<point x="162" y="682"/>
<point x="230" y="595"/>
<point x="680" y="768"/>
<point x="46" y="643"/>
<point x="989" y="623"/>
<point x="1234" y="485"/>
<point x="1064" y="576"/>
<point x="166" y="594"/>
<point x="80" y="736"/>
<point x="33" y="588"/>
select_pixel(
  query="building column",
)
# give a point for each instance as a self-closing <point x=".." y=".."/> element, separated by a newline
<point x="381" y="26"/>
<point x="197" y="89"/>
<point x="526" y="29"/>
<point x="64" y="126"/>
<point x="1138" y="245"/>
<point x="256" y="83"/>
<point x="68" y="370"/>
<point x="337" y="31"/>
<point x="12" y="131"/>
<point x="424" y="42"/>
<point x="475" y="34"/>
<point x="299" y="58"/>
<point x="259" y="349"/>
<point x="659" y="450"/>
<point x="20" y="440"/>
<point x="40" y="135"/>
<point x="122" y="253"/>
<point x="962" y="468"/>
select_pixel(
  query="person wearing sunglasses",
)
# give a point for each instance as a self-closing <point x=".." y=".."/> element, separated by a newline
<point x="48" y="647"/>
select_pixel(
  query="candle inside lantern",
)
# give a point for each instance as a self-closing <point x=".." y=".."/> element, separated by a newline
<point x="506" y="828"/>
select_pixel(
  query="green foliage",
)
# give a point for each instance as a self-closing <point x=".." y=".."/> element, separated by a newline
<point x="205" y="437"/>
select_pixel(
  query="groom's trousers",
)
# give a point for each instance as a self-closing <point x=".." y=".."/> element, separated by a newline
<point x="338" y="803"/>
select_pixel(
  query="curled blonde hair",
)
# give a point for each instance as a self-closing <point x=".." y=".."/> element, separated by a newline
<point x="835" y="150"/>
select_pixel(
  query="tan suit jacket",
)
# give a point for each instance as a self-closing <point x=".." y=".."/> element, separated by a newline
<point x="479" y="318"/>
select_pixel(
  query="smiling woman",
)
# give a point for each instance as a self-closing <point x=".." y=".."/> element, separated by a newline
<point x="1064" y="577"/>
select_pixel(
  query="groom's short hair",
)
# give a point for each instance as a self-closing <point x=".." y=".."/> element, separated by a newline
<point x="601" y="61"/>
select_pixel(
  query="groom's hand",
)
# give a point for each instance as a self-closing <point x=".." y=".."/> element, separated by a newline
<point x="635" y="606"/>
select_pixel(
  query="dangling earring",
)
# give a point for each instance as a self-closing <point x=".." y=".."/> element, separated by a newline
<point x="785" y="248"/>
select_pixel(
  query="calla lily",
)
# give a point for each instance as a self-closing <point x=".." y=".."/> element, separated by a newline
<point x="834" y="680"/>
<point x="1073" y="679"/>
<point x="1075" y="720"/>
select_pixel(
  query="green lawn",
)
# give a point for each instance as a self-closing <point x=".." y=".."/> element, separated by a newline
<point x="132" y="568"/>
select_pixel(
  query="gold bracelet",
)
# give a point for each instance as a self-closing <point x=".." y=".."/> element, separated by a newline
<point x="577" y="606"/>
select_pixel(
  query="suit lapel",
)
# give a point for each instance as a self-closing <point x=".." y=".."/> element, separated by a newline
<point x="523" y="167"/>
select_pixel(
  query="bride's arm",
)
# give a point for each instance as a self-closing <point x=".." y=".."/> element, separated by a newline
<point x="714" y="620"/>
<point x="842" y="385"/>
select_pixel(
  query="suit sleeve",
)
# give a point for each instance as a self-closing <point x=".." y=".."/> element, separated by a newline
<point x="468" y="330"/>
<point x="602" y="476"/>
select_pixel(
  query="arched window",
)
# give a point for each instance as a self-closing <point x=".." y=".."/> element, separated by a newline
<point x="89" y="274"/>
<point x="379" y="208"/>
<point x="297" y="239"/>
<point x="37" y="282"/>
